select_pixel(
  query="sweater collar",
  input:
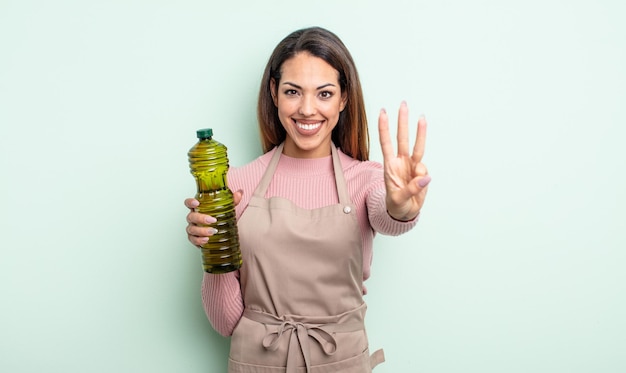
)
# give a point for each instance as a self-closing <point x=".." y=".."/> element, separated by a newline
<point x="308" y="167"/>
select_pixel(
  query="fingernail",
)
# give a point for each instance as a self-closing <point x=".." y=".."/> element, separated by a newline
<point x="215" y="231"/>
<point x="403" y="103"/>
<point x="210" y="220"/>
<point x="424" y="181"/>
<point x="204" y="240"/>
<point x="383" y="111"/>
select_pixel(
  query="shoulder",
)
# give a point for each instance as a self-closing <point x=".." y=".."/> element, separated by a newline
<point x="260" y="162"/>
<point x="250" y="172"/>
<point x="355" y="167"/>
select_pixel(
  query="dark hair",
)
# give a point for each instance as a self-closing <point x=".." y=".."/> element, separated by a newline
<point x="350" y="134"/>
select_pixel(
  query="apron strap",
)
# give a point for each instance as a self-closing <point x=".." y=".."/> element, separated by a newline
<point x="376" y="358"/>
<point x="342" y="190"/>
<point x="269" y="173"/>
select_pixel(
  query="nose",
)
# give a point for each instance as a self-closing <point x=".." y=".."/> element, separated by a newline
<point x="307" y="106"/>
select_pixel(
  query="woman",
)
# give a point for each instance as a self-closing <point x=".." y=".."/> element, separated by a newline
<point x="307" y="213"/>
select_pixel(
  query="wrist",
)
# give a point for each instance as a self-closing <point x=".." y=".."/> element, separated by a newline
<point x="403" y="218"/>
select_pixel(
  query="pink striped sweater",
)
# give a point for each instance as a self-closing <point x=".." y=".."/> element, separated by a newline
<point x="301" y="180"/>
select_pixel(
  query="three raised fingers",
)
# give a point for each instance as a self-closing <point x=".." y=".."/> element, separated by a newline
<point x="402" y="135"/>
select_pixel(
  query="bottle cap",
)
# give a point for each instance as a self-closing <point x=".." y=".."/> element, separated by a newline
<point x="204" y="133"/>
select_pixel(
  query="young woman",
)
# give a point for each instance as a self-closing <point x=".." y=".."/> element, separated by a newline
<point x="307" y="213"/>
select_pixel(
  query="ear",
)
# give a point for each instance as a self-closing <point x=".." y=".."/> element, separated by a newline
<point x="274" y="91"/>
<point x="344" y="101"/>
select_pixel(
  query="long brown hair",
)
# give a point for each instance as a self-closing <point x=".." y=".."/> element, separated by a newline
<point x="351" y="133"/>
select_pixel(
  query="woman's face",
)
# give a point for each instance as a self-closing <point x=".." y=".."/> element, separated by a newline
<point x="309" y="101"/>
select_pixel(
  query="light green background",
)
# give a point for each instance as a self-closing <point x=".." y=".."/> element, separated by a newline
<point x="518" y="263"/>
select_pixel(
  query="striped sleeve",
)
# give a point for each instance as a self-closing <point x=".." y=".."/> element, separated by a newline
<point x="380" y="220"/>
<point x="222" y="301"/>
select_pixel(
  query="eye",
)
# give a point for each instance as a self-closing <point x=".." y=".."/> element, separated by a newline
<point x="326" y="94"/>
<point x="291" y="92"/>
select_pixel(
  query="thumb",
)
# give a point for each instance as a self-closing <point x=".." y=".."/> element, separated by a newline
<point x="191" y="203"/>
<point x="424" y="181"/>
<point x="237" y="196"/>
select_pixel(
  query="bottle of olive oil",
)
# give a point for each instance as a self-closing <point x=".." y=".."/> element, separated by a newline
<point x="208" y="163"/>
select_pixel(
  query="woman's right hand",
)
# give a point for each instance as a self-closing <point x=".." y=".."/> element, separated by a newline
<point x="197" y="231"/>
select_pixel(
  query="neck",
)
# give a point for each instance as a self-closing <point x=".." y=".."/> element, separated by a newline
<point x="291" y="149"/>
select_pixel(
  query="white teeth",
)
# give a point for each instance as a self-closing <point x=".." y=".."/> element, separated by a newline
<point x="308" y="127"/>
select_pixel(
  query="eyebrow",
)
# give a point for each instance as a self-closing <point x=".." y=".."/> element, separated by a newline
<point x="318" y="88"/>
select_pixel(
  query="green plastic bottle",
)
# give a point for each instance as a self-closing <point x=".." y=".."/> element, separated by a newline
<point x="208" y="163"/>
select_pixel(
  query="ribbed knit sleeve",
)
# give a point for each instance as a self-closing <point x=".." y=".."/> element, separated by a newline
<point x="221" y="294"/>
<point x="379" y="218"/>
<point x="222" y="301"/>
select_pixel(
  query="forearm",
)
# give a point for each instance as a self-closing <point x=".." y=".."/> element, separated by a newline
<point x="380" y="219"/>
<point x="222" y="301"/>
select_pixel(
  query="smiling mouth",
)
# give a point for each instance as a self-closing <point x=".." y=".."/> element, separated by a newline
<point x="308" y="126"/>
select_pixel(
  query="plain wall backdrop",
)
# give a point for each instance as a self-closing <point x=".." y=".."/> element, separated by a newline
<point x="518" y="262"/>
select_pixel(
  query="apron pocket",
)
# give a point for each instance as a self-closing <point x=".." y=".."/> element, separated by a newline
<point x="357" y="364"/>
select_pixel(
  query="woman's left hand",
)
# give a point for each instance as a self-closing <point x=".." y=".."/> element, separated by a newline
<point x="406" y="177"/>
